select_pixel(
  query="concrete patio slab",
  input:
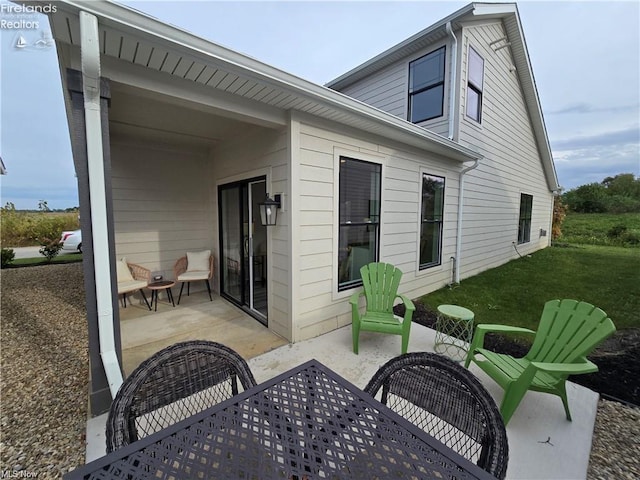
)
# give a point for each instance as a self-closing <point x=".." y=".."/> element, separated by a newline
<point x="542" y="443"/>
<point x="196" y="318"/>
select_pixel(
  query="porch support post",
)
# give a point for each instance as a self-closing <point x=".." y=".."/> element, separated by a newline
<point x="99" y="392"/>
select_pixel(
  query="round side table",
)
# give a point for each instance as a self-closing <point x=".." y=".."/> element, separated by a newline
<point x="454" y="331"/>
<point x="155" y="287"/>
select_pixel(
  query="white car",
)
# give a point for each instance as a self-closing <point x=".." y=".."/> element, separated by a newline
<point x="72" y="241"/>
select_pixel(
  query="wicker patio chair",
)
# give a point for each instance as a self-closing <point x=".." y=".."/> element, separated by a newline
<point x="173" y="384"/>
<point x="447" y="401"/>
<point x="131" y="278"/>
<point x="194" y="266"/>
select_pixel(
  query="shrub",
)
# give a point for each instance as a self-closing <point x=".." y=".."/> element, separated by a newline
<point x="617" y="230"/>
<point x="7" y="256"/>
<point x="588" y="198"/>
<point x="630" y="238"/>
<point x="50" y="248"/>
<point x="559" y="214"/>
<point x="622" y="204"/>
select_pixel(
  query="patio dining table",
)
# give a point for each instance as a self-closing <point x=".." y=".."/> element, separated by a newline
<point x="306" y="423"/>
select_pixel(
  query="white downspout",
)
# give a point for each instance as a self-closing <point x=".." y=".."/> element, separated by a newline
<point x="452" y="84"/>
<point x="459" y="226"/>
<point x="90" y="55"/>
<point x="453" y="87"/>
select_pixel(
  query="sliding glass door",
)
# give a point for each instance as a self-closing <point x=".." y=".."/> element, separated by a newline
<point x="243" y="246"/>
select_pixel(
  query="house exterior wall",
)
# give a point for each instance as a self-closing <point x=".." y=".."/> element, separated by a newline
<point x="318" y="305"/>
<point x="264" y="152"/>
<point x="388" y="89"/>
<point x="160" y="202"/>
<point x="511" y="163"/>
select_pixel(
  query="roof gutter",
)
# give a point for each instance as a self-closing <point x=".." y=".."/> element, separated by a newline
<point x="90" y="55"/>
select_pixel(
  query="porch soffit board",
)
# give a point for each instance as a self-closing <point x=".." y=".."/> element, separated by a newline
<point x="192" y="94"/>
<point x="279" y="89"/>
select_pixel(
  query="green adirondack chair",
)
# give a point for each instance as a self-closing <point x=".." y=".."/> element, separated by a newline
<point x="380" y="282"/>
<point x="568" y="331"/>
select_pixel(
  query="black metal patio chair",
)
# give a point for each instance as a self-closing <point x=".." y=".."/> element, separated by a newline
<point x="447" y="401"/>
<point x="173" y="384"/>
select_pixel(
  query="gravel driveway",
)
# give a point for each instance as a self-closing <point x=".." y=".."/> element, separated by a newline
<point x="43" y="349"/>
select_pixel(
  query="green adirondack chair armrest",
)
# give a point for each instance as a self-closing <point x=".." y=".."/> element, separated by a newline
<point x="354" y="300"/>
<point x="409" y="307"/>
<point x="490" y="327"/>
<point x="585" y="366"/>
<point x="483" y="329"/>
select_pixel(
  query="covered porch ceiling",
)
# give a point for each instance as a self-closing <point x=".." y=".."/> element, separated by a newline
<point x="137" y="114"/>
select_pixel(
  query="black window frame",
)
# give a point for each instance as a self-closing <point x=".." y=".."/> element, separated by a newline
<point x="431" y="219"/>
<point x="524" y="218"/>
<point x="428" y="87"/>
<point x="346" y="224"/>
<point x="473" y="86"/>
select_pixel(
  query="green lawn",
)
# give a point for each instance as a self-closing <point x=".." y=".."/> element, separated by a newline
<point x="514" y="294"/>
<point x="40" y="260"/>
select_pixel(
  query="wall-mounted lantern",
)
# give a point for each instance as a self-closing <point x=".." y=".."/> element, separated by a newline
<point x="269" y="210"/>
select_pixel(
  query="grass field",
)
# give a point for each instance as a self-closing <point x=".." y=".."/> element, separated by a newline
<point x="23" y="229"/>
<point x="515" y="293"/>
<point x="592" y="228"/>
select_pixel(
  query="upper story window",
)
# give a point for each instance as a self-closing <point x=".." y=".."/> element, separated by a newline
<point x="524" y="221"/>
<point x="431" y="221"/>
<point x="426" y="86"/>
<point x="475" y="84"/>
<point x="358" y="236"/>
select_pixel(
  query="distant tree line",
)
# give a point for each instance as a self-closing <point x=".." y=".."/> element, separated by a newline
<point x="619" y="194"/>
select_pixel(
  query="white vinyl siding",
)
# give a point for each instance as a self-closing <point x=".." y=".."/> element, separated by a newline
<point x="320" y="307"/>
<point x="511" y="162"/>
<point x="388" y="88"/>
<point x="160" y="211"/>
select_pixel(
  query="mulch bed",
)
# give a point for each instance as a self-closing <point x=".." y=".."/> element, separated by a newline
<point x="618" y="358"/>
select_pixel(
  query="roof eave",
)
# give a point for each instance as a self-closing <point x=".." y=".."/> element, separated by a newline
<point x="170" y="36"/>
<point x="525" y="73"/>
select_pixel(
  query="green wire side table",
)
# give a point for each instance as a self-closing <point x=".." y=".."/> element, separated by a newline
<point x="454" y="331"/>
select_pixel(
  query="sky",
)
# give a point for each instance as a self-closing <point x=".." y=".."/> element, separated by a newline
<point x="585" y="57"/>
